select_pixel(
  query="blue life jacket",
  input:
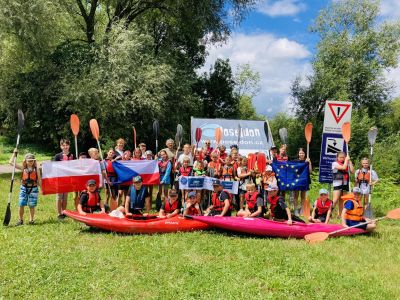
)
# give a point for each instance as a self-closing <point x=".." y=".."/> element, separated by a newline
<point x="137" y="199"/>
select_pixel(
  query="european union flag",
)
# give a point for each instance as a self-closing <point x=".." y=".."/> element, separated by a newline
<point x="292" y="175"/>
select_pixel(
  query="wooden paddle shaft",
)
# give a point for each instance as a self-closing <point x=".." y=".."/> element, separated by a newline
<point x="357" y="225"/>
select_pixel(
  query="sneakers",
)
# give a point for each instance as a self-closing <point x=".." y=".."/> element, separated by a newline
<point x="19" y="223"/>
<point x="32" y="222"/>
<point x="61" y="217"/>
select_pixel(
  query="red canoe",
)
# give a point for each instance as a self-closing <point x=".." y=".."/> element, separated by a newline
<point x="263" y="227"/>
<point x="124" y="225"/>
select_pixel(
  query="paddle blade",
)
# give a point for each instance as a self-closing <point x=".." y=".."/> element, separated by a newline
<point x="21" y="120"/>
<point x="176" y="139"/>
<point x="251" y="160"/>
<point x="156" y="128"/>
<point x="7" y="217"/>
<point x="308" y="132"/>
<point x="283" y="135"/>
<point x="179" y="133"/>
<point x="94" y="127"/>
<point x="306" y="209"/>
<point x="74" y="121"/>
<point x="134" y="136"/>
<point x="261" y="162"/>
<point x="394" y="214"/>
<point x="266" y="131"/>
<point x="218" y="134"/>
<point x="316" y="237"/>
<point x="372" y="133"/>
<point x="198" y="134"/>
<point x="346" y="131"/>
<point x="347" y="196"/>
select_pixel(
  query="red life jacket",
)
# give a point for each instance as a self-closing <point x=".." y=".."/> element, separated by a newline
<point x="185" y="172"/>
<point x="219" y="205"/>
<point x="93" y="202"/>
<point x="273" y="201"/>
<point x="170" y="207"/>
<point x="282" y="158"/>
<point x="193" y="211"/>
<point x="163" y="165"/>
<point x="251" y="201"/>
<point x="29" y="178"/>
<point x="323" y="208"/>
<point x="363" y="177"/>
<point x="109" y="168"/>
<point x="227" y="172"/>
<point x="67" y="156"/>
<point x="341" y="174"/>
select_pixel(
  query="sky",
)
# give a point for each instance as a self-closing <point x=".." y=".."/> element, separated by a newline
<point x="275" y="40"/>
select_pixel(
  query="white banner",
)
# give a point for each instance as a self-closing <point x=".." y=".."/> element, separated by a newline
<point x="206" y="183"/>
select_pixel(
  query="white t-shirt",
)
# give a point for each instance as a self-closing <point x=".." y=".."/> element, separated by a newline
<point x="340" y="182"/>
<point x="365" y="188"/>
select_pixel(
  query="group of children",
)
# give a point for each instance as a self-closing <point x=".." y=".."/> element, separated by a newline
<point x="258" y="191"/>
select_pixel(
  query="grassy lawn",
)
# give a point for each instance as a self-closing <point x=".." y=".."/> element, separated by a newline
<point x="66" y="259"/>
<point x="6" y="150"/>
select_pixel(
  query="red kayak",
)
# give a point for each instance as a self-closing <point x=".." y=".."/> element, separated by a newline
<point x="147" y="226"/>
<point x="264" y="227"/>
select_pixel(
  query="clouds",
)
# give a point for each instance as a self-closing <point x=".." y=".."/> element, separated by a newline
<point x="281" y="7"/>
<point x="390" y="9"/>
<point x="279" y="61"/>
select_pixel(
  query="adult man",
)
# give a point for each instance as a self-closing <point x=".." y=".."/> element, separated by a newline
<point x="137" y="198"/>
<point x="221" y="202"/>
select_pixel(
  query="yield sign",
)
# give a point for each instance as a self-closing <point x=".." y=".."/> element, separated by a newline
<point x="338" y="110"/>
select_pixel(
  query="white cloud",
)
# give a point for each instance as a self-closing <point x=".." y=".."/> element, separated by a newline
<point x="279" y="61"/>
<point x="390" y="9"/>
<point x="281" y="7"/>
<point x="394" y="76"/>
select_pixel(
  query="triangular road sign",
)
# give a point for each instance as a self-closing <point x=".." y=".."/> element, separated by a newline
<point x="338" y="110"/>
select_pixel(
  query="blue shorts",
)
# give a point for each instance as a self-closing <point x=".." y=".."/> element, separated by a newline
<point x="352" y="223"/>
<point x="28" y="196"/>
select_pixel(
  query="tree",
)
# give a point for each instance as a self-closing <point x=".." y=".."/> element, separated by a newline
<point x="352" y="54"/>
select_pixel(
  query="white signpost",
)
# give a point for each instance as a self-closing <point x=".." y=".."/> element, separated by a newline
<point x="336" y="113"/>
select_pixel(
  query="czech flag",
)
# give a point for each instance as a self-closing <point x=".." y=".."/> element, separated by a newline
<point x="69" y="175"/>
<point x="147" y="169"/>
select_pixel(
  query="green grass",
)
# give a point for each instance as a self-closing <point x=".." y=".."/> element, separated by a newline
<point x="6" y="149"/>
<point x="66" y="259"/>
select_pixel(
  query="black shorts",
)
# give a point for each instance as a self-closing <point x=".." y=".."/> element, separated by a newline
<point x="343" y="187"/>
<point x="122" y="187"/>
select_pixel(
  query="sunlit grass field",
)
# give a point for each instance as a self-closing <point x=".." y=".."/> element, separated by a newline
<point x="66" y="259"/>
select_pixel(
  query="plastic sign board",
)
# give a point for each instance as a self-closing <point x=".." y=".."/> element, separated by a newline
<point x="332" y="143"/>
<point x="336" y="113"/>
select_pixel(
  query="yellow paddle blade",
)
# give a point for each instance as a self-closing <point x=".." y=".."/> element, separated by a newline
<point x="317" y="237"/>
<point x="346" y="131"/>
<point x="74" y="120"/>
<point x="308" y="132"/>
<point x="394" y="214"/>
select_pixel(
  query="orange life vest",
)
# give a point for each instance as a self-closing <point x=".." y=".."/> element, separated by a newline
<point x="216" y="169"/>
<point x="227" y="172"/>
<point x="109" y="168"/>
<point x="363" y="177"/>
<point x="219" y="205"/>
<point x="355" y="214"/>
<point x="29" y="177"/>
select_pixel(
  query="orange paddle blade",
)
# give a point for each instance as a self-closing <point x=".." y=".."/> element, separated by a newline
<point x="218" y="134"/>
<point x="261" y="162"/>
<point x="94" y="127"/>
<point x="74" y="121"/>
<point x="316" y="237"/>
<point x="308" y="132"/>
<point x="346" y="131"/>
<point x="347" y="196"/>
<point x="394" y="214"/>
<point x="306" y="209"/>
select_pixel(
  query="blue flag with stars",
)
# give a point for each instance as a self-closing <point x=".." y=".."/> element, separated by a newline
<point x="292" y="175"/>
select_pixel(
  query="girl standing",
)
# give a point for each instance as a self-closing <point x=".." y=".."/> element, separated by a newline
<point x="165" y="166"/>
<point x="301" y="157"/>
<point x="341" y="169"/>
<point x="365" y="179"/>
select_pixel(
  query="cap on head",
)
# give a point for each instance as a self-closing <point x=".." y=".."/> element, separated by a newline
<point x="323" y="191"/>
<point x="30" y="156"/>
<point x="91" y="182"/>
<point x="137" y="179"/>
<point x="356" y="190"/>
<point x="148" y="152"/>
<point x="192" y="194"/>
<point x="272" y="187"/>
<point x="173" y="193"/>
<point x="217" y="182"/>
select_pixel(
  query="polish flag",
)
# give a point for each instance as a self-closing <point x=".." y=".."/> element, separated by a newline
<point x="147" y="169"/>
<point x="69" y="175"/>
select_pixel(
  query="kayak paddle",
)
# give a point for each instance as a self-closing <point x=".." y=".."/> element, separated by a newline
<point x="21" y="122"/>
<point x="74" y="122"/>
<point x="134" y="137"/>
<point x="346" y="133"/>
<point x="308" y="135"/>
<point x="283" y="135"/>
<point x="317" y="237"/>
<point x="239" y="135"/>
<point x="178" y="138"/>
<point x="198" y="135"/>
<point x="372" y="133"/>
<point x="156" y="131"/>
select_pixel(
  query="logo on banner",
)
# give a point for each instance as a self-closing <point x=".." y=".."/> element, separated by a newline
<point x="333" y="146"/>
<point x="338" y="110"/>
<point x="195" y="182"/>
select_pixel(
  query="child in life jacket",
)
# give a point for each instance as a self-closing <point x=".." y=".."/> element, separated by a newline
<point x="254" y="203"/>
<point x="30" y="181"/>
<point x="268" y="179"/>
<point x="184" y="170"/>
<point x="228" y="171"/>
<point x="171" y="207"/>
<point x="341" y="169"/>
<point x="111" y="175"/>
<point x="214" y="167"/>
<point x="192" y="205"/>
<point x="165" y="166"/>
<point x="278" y="209"/>
<point x="198" y="169"/>
<point x="244" y="177"/>
<point x="353" y="211"/>
<point x="322" y="208"/>
<point x="222" y="154"/>
<point x="282" y="156"/>
<point x="365" y="179"/>
<point x="221" y="202"/>
<point x="137" y="199"/>
<point x="90" y="200"/>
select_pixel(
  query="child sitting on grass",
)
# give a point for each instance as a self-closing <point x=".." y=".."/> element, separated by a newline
<point x="90" y="200"/>
<point x="322" y="208"/>
<point x="192" y="205"/>
<point x="29" y="192"/>
<point x="171" y="207"/>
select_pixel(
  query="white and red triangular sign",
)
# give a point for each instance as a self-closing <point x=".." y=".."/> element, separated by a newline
<point x="338" y="110"/>
<point x="336" y="113"/>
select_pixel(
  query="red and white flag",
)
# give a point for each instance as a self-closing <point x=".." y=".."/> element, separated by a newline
<point x="69" y="175"/>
